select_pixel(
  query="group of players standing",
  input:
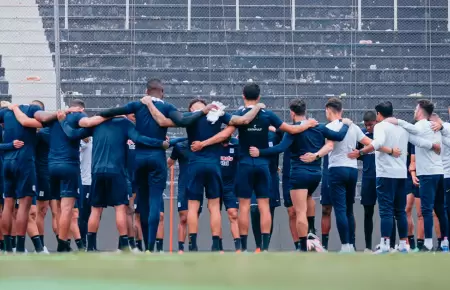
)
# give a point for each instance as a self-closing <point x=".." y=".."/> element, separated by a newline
<point x="240" y="173"/>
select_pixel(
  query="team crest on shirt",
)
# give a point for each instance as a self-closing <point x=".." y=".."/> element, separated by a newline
<point x="270" y="144"/>
<point x="231" y="150"/>
<point x="254" y="129"/>
<point x="131" y="145"/>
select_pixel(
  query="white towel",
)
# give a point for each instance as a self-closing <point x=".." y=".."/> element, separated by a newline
<point x="215" y="114"/>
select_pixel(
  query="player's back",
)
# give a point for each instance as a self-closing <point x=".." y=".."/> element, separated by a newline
<point x="256" y="134"/>
<point x="274" y="160"/>
<point x="396" y="137"/>
<point x="428" y="162"/>
<point x="64" y="150"/>
<point x="338" y="157"/>
<point x="42" y="149"/>
<point x="311" y="140"/>
<point x="109" y="149"/>
<point x="13" y="130"/>
<point x="369" y="168"/>
<point x="229" y="158"/>
<point x="202" y="130"/>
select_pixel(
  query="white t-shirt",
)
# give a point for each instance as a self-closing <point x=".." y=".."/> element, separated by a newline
<point x="86" y="161"/>
<point x="338" y="157"/>
<point x="445" y="150"/>
<point x="392" y="136"/>
<point x="427" y="161"/>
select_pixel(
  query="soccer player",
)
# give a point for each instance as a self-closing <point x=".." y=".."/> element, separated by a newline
<point x="204" y="170"/>
<point x="325" y="201"/>
<point x="19" y="170"/>
<point x="274" y="200"/>
<point x="286" y="169"/>
<point x="429" y="169"/>
<point x="151" y="164"/>
<point x="86" y="181"/>
<point x="391" y="174"/>
<point x="253" y="174"/>
<point x="109" y="171"/>
<point x="181" y="153"/>
<point x="413" y="198"/>
<point x="229" y="159"/>
<point x="305" y="172"/>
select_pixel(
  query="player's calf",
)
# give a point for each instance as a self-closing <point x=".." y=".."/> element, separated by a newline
<point x="233" y="217"/>
<point x="93" y="224"/>
<point x="42" y="208"/>
<point x="182" y="225"/>
<point x="216" y="221"/>
<point x="121" y="223"/>
<point x="160" y="233"/>
<point x="243" y="219"/>
<point x="22" y="222"/>
<point x="75" y="230"/>
<point x="33" y="231"/>
<point x="326" y="224"/>
<point x="266" y="222"/>
<point x="67" y="204"/>
<point x="192" y="220"/>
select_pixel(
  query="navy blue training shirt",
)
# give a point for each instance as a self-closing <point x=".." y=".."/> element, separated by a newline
<point x="325" y="165"/>
<point x="202" y="130"/>
<point x="181" y="152"/>
<point x="65" y="150"/>
<point x="229" y="159"/>
<point x="42" y="150"/>
<point x="311" y="140"/>
<point x="256" y="134"/>
<point x="274" y="161"/>
<point x="13" y="130"/>
<point x="286" y="164"/>
<point x="411" y="151"/>
<point x="131" y="159"/>
<point x="369" y="169"/>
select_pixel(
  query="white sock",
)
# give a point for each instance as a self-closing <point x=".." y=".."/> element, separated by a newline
<point x="387" y="243"/>
<point x="429" y="244"/>
<point x="402" y="245"/>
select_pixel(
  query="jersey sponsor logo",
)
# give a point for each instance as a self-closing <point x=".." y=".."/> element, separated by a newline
<point x="41" y="193"/>
<point x="231" y="150"/>
<point x="131" y="145"/>
<point x="225" y="160"/>
<point x="33" y="187"/>
<point x="254" y="129"/>
<point x="271" y="144"/>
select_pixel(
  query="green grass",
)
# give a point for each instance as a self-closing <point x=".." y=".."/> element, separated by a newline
<point x="274" y="271"/>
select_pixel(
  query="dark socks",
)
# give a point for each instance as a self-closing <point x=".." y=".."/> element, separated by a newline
<point x="63" y="246"/>
<point x="14" y="241"/>
<point x="193" y="242"/>
<point x="215" y="244"/>
<point x="37" y="243"/>
<point x="123" y="241"/>
<point x="265" y="240"/>
<point x="237" y="244"/>
<point x="297" y="244"/>
<point x="132" y="242"/>
<point x="80" y="245"/>
<point x="221" y="244"/>
<point x="439" y="242"/>
<point x="8" y="243"/>
<point x="412" y="242"/>
<point x="2" y="245"/>
<point x="139" y="245"/>
<point x="244" y="242"/>
<point x="256" y="225"/>
<point x="159" y="245"/>
<point x="41" y="237"/>
<point x="325" y="241"/>
<point x="311" y="225"/>
<point x="420" y="243"/>
<point x="181" y="246"/>
<point x="303" y="244"/>
<point x="368" y="225"/>
<point x="20" y="247"/>
<point x="91" y="242"/>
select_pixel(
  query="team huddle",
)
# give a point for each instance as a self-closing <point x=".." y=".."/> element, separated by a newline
<point x="403" y="165"/>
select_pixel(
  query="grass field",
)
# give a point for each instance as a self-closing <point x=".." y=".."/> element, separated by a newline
<point x="275" y="271"/>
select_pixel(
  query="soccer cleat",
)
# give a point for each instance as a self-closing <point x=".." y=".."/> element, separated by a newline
<point x="148" y="252"/>
<point x="258" y="250"/>
<point x="368" y="251"/>
<point x="314" y="244"/>
<point x="45" y="250"/>
<point x="415" y="250"/>
<point x="238" y="251"/>
<point x="180" y="252"/>
<point x="381" y="249"/>
<point x="135" y="251"/>
<point x="346" y="249"/>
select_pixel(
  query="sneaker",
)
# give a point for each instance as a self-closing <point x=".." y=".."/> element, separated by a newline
<point x="368" y="251"/>
<point x="45" y="251"/>
<point x="314" y="244"/>
<point x="415" y="250"/>
<point x="135" y="251"/>
<point x="258" y="250"/>
<point x="346" y="249"/>
<point x="425" y="250"/>
<point x="180" y="252"/>
<point x="381" y="249"/>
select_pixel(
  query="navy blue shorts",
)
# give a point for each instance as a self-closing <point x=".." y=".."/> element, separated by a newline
<point x="64" y="181"/>
<point x="305" y="178"/>
<point x="253" y="178"/>
<point x="287" y="193"/>
<point x="229" y="199"/>
<point x="19" y="179"/>
<point x="151" y="171"/>
<point x="182" y="201"/>
<point x="275" y="190"/>
<point x="43" y="187"/>
<point x="411" y="188"/>
<point x="325" y="196"/>
<point x="109" y="190"/>
<point x="447" y="191"/>
<point x="204" y="177"/>
<point x="369" y="191"/>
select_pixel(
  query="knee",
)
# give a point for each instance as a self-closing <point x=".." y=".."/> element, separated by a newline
<point x="419" y="215"/>
<point x="233" y="215"/>
<point x="183" y="219"/>
<point x="326" y="211"/>
<point x="291" y="214"/>
<point x="130" y="210"/>
<point x="43" y="211"/>
<point x="33" y="215"/>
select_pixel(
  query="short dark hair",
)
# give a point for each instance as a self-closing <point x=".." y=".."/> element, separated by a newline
<point x="335" y="104"/>
<point x="369" y="116"/>
<point x="251" y="92"/>
<point x="154" y="84"/>
<point x="40" y="104"/>
<point x="298" y="107"/>
<point x="385" y="109"/>
<point x="77" y="103"/>
<point x="427" y="106"/>
<point x="194" y="101"/>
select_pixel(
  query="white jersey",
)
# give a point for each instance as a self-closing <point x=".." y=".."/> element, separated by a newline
<point x="445" y="149"/>
<point x="392" y="136"/>
<point x="427" y="161"/>
<point x="338" y="157"/>
<point x="86" y="161"/>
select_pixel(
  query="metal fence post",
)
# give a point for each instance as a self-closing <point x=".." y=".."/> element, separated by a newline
<point x="66" y="14"/>
<point x="237" y="15"/>
<point x="189" y="12"/>
<point x="57" y="54"/>
<point x="360" y="16"/>
<point x="127" y="14"/>
<point x="293" y="15"/>
<point x="395" y="15"/>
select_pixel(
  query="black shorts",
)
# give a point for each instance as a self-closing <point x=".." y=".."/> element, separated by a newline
<point x="43" y="187"/>
<point x="204" y="177"/>
<point x="64" y="180"/>
<point x="305" y="178"/>
<point x="109" y="189"/>
<point x="253" y="179"/>
<point x="19" y="178"/>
